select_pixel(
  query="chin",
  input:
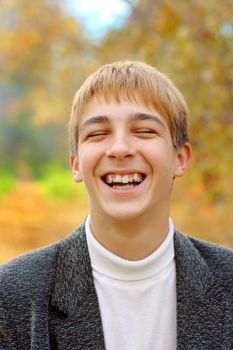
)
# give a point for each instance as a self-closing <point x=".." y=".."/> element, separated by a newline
<point x="124" y="215"/>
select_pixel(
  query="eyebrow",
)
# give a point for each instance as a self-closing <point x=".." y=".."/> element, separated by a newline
<point x="147" y="116"/>
<point x="94" y="120"/>
<point x="133" y="117"/>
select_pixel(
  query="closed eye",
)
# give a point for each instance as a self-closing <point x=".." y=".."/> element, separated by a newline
<point x="145" y="132"/>
<point x="96" y="134"/>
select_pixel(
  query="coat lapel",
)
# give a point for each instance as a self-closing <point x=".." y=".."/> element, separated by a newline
<point x="75" y="321"/>
<point x="75" y="317"/>
<point x="200" y="308"/>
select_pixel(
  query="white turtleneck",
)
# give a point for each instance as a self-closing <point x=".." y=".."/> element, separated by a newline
<point x="137" y="299"/>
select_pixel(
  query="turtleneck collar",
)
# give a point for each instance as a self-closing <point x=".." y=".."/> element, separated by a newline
<point x="105" y="262"/>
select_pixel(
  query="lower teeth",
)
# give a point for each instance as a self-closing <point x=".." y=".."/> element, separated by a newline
<point x="123" y="187"/>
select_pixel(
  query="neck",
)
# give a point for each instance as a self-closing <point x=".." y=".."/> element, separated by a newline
<point x="130" y="239"/>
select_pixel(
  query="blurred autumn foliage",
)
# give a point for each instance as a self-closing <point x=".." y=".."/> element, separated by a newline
<point x="45" y="55"/>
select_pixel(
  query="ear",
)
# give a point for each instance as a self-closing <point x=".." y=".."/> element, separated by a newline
<point x="75" y="168"/>
<point x="183" y="158"/>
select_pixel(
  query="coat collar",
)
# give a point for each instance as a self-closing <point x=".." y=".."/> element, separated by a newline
<point x="75" y="321"/>
<point x="75" y="297"/>
<point x="200" y="304"/>
<point x="74" y="280"/>
<point x="192" y="273"/>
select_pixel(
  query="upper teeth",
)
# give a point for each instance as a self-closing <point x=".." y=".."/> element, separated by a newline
<point x="123" y="178"/>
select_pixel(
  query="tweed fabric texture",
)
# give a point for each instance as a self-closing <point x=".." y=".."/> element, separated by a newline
<point x="48" y="299"/>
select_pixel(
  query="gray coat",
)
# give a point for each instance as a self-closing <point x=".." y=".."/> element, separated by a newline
<point x="48" y="299"/>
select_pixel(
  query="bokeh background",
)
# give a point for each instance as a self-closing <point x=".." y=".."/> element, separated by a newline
<point x="47" y="49"/>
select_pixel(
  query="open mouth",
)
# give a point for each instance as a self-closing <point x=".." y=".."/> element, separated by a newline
<point x="123" y="182"/>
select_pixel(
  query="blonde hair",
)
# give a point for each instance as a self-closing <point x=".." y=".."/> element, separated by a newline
<point x="135" y="81"/>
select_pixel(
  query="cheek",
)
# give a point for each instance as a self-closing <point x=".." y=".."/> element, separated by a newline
<point x="161" y="160"/>
<point x="154" y="154"/>
<point x="89" y="158"/>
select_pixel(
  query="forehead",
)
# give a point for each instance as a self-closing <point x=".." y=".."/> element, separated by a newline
<point x="111" y="109"/>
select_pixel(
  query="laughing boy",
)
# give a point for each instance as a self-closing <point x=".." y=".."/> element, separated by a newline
<point x="126" y="279"/>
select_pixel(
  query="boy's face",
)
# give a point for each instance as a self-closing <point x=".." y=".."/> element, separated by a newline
<point x="126" y="159"/>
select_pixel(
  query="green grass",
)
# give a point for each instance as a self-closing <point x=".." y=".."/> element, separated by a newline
<point x="58" y="183"/>
<point x="7" y="182"/>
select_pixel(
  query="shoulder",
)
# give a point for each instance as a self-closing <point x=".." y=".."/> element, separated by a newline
<point x="30" y="273"/>
<point x="218" y="259"/>
<point x="213" y="252"/>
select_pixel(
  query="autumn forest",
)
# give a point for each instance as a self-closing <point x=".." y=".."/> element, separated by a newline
<point x="46" y="53"/>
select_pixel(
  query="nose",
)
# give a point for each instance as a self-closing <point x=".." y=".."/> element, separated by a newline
<point x="121" y="147"/>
